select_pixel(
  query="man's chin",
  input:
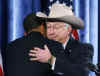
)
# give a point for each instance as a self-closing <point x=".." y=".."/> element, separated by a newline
<point x="53" y="38"/>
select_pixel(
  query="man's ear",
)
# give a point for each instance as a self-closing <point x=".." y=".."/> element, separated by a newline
<point x="43" y="30"/>
<point x="69" y="29"/>
<point x="25" y="33"/>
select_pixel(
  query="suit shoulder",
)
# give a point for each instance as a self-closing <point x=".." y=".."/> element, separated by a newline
<point x="15" y="42"/>
<point x="85" y="45"/>
<point x="88" y="45"/>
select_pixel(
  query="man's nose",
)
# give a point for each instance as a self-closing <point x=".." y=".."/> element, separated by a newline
<point x="52" y="30"/>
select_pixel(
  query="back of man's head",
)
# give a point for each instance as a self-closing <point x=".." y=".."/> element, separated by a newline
<point x="31" y="22"/>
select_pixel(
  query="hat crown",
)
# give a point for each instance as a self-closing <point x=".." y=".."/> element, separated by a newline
<point x="62" y="13"/>
<point x="58" y="10"/>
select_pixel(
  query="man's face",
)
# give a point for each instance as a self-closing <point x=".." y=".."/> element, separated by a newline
<point x="57" y="31"/>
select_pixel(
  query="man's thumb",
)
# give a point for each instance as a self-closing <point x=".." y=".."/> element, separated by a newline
<point x="46" y="47"/>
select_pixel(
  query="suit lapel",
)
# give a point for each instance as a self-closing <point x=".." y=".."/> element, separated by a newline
<point x="68" y="48"/>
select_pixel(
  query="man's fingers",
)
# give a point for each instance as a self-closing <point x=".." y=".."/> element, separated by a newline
<point x="34" y="59"/>
<point x="33" y="51"/>
<point x="30" y="54"/>
<point x="37" y="49"/>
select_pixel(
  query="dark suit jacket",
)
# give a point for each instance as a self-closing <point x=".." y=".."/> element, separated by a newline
<point x="17" y="59"/>
<point x="74" y="59"/>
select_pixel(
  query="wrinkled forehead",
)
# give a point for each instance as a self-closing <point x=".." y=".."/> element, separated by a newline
<point x="57" y="24"/>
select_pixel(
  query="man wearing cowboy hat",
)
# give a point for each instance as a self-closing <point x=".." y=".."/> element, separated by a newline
<point x="74" y="59"/>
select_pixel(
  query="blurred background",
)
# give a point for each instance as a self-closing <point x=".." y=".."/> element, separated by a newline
<point x="12" y="13"/>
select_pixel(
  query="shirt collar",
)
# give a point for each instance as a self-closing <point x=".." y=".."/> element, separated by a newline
<point x="64" y="44"/>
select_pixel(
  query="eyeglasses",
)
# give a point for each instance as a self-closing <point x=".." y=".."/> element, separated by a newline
<point x="56" y="25"/>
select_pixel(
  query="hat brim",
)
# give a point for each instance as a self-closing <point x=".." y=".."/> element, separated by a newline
<point x="75" y="22"/>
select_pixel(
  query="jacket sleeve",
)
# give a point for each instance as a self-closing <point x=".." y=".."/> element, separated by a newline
<point x="77" y="67"/>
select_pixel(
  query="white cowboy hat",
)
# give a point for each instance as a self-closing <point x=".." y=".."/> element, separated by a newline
<point x="62" y="13"/>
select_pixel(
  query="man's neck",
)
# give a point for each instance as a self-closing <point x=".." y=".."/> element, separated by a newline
<point x="65" y="43"/>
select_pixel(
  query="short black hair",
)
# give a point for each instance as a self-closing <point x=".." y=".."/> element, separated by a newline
<point x="31" y="21"/>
